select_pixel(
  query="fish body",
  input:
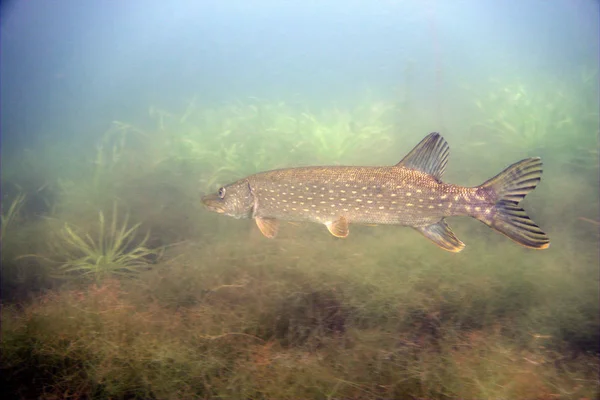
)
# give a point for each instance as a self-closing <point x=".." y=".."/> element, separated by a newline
<point x="410" y="193"/>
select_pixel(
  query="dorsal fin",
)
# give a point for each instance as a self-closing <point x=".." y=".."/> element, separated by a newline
<point x="429" y="156"/>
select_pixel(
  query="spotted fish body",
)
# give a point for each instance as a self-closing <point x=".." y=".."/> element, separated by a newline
<point x="410" y="193"/>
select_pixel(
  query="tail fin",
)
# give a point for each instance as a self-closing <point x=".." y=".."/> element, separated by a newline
<point x="509" y="187"/>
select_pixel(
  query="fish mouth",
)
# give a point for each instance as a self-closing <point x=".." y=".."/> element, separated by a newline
<point x="213" y="203"/>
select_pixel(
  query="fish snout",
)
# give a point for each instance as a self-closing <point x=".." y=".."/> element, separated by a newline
<point x="214" y="203"/>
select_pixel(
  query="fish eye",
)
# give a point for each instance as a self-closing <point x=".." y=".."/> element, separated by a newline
<point x="221" y="192"/>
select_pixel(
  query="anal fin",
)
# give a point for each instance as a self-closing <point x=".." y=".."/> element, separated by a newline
<point x="441" y="234"/>
<point x="339" y="227"/>
<point x="268" y="226"/>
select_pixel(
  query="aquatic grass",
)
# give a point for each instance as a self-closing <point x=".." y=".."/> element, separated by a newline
<point x="10" y="216"/>
<point x="135" y="339"/>
<point x="524" y="117"/>
<point x="335" y="134"/>
<point x="381" y="314"/>
<point x="245" y="137"/>
<point x="552" y="115"/>
<point x="114" y="250"/>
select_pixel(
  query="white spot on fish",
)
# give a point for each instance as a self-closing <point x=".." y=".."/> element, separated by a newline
<point x="408" y="194"/>
<point x="394" y="202"/>
<point x="440" y="204"/>
<point x="309" y="198"/>
<point x="409" y="204"/>
<point x="450" y="205"/>
<point x="381" y="207"/>
<point x="418" y="190"/>
<point x="420" y="200"/>
<point x="358" y="200"/>
<point x="354" y="192"/>
<point x="477" y="208"/>
<point x="305" y="209"/>
<point x="369" y="201"/>
<point x="456" y="198"/>
<point x="332" y="198"/>
<point x="345" y="209"/>
<point x="330" y="191"/>
<point x="322" y="202"/>
<point x="432" y="198"/>
<point x="364" y="188"/>
<point x="393" y="195"/>
<point x="342" y="199"/>
<point x="293" y="209"/>
<point x="443" y="197"/>
<point x="285" y="201"/>
<point x="342" y="191"/>
<point x="300" y="197"/>
<point x="379" y="195"/>
<point x="487" y="211"/>
<point x="430" y="207"/>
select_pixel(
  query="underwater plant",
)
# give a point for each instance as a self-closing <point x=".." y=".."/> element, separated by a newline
<point x="521" y="116"/>
<point x="112" y="251"/>
<point x="9" y="216"/>
<point x="337" y="133"/>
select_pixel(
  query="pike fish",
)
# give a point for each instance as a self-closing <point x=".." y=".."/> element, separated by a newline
<point x="410" y="193"/>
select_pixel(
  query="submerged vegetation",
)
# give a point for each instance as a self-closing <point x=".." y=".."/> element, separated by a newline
<point x="552" y="115"/>
<point x="111" y="251"/>
<point x="227" y="313"/>
<point x="10" y="215"/>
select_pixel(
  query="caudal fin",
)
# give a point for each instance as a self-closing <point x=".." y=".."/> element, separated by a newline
<point x="508" y="188"/>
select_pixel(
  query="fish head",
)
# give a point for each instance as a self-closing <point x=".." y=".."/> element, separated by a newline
<point x="235" y="200"/>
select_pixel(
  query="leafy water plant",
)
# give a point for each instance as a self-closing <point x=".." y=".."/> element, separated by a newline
<point x="114" y="250"/>
<point x="9" y="216"/>
<point x="336" y="133"/>
<point x="521" y="116"/>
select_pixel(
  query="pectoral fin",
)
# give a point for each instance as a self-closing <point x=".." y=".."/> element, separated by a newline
<point x="442" y="235"/>
<point x="268" y="226"/>
<point x="339" y="227"/>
